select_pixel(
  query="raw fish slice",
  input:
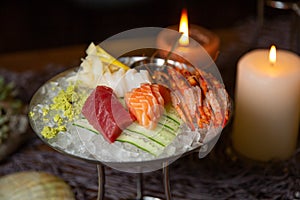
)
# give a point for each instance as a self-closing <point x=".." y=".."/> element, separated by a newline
<point x="146" y="104"/>
<point x="154" y="107"/>
<point x="105" y="113"/>
<point x="140" y="106"/>
<point x="156" y="92"/>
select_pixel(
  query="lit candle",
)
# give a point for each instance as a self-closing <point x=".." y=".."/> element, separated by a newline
<point x="267" y="97"/>
<point x="184" y="29"/>
<point x="195" y="44"/>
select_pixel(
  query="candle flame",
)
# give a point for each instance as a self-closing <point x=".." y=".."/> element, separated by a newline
<point x="183" y="28"/>
<point x="272" y="55"/>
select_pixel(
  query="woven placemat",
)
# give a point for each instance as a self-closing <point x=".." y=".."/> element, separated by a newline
<point x="221" y="175"/>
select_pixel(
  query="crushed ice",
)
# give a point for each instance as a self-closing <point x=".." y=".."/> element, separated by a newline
<point x="86" y="144"/>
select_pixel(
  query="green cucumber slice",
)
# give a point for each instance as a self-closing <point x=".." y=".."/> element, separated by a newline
<point x="151" y="141"/>
<point x="142" y="142"/>
<point x="160" y="134"/>
<point x="170" y="124"/>
<point x="83" y="123"/>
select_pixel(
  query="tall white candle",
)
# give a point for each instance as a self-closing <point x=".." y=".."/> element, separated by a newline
<point x="267" y="104"/>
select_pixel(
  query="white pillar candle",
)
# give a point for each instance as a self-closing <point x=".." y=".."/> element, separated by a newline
<point x="267" y="98"/>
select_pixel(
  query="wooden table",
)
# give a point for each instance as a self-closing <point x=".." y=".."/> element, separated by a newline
<point x="68" y="56"/>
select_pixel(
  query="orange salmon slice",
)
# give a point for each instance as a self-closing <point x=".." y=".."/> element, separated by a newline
<point x="146" y="103"/>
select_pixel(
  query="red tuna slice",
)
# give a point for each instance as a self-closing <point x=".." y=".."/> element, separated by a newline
<point x="105" y="113"/>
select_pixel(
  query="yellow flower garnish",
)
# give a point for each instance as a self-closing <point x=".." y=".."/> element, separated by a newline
<point x="58" y="119"/>
<point x="66" y="105"/>
<point x="45" y="111"/>
<point x="31" y="114"/>
<point x="49" y="132"/>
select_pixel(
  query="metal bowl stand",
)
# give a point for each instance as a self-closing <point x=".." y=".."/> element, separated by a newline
<point x="139" y="191"/>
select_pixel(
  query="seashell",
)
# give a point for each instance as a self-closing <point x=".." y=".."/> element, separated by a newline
<point x="32" y="185"/>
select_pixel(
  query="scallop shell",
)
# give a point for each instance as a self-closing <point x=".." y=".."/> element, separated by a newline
<point x="34" y="186"/>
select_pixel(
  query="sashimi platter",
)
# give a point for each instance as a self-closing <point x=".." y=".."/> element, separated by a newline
<point x="129" y="112"/>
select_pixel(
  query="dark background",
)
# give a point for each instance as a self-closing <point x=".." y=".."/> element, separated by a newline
<point x="35" y="24"/>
